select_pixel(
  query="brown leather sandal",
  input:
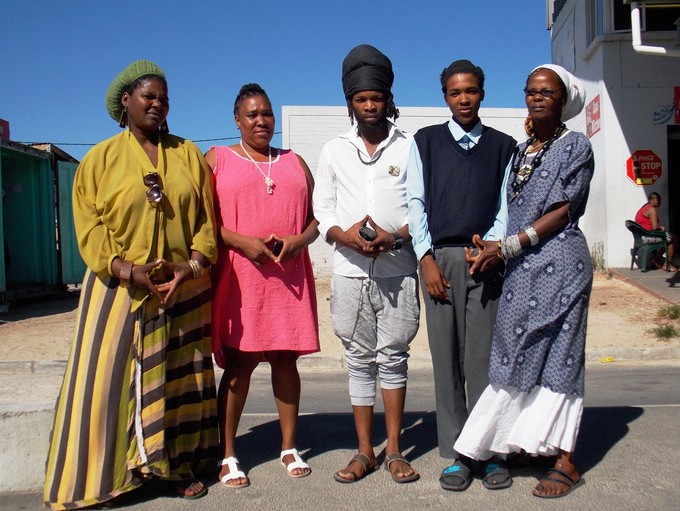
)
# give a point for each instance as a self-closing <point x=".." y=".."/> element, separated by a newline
<point x="353" y="478"/>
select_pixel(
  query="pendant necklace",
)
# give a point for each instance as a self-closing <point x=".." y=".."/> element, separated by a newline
<point x="522" y="169"/>
<point x="267" y="177"/>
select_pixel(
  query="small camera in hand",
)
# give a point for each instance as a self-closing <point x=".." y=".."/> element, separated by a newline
<point x="277" y="247"/>
<point x="367" y="233"/>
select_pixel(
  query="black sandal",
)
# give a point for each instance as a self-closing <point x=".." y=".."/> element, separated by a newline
<point x="565" y="479"/>
<point x="182" y="490"/>
<point x="496" y="476"/>
<point x="457" y="477"/>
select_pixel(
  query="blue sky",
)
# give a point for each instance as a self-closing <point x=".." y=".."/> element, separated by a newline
<point x="58" y="57"/>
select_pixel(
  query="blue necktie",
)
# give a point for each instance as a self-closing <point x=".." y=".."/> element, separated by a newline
<point x="465" y="142"/>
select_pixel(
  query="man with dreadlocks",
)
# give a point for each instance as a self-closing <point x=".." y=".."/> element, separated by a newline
<point x="360" y="203"/>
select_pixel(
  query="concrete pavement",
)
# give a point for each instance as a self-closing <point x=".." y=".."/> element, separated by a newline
<point x="624" y="454"/>
<point x="28" y="389"/>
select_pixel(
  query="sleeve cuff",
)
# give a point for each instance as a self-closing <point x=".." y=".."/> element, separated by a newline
<point x="109" y="264"/>
<point x="421" y="249"/>
<point x="323" y="228"/>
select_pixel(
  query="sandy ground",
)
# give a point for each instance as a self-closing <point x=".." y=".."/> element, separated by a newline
<point x="621" y="316"/>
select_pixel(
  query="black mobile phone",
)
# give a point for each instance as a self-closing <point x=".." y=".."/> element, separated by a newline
<point x="367" y="233"/>
<point x="277" y="247"/>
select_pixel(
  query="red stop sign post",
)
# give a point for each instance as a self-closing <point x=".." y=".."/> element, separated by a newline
<point x="644" y="167"/>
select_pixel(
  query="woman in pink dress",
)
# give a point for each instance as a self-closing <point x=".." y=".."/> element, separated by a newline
<point x="264" y="306"/>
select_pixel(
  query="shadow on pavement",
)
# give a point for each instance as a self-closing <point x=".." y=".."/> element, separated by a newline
<point x="322" y="433"/>
<point x="601" y="429"/>
<point x="40" y="306"/>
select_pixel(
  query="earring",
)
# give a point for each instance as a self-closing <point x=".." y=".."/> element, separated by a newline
<point x="123" y="118"/>
<point x="164" y="127"/>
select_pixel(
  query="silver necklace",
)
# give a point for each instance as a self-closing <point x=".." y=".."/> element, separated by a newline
<point x="267" y="177"/>
<point x="371" y="162"/>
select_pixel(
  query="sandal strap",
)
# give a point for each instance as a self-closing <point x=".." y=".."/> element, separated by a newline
<point x="363" y="459"/>
<point x="554" y="480"/>
<point x="298" y="463"/>
<point x="231" y="460"/>
<point x="569" y="481"/>
<point x="234" y="473"/>
<point x="395" y="456"/>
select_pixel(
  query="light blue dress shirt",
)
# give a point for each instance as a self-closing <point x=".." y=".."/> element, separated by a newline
<point x="415" y="192"/>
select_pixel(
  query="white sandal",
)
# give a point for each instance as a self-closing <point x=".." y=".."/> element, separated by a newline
<point x="234" y="473"/>
<point x="298" y="463"/>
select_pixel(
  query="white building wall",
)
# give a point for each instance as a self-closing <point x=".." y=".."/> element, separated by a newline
<point x="305" y="130"/>
<point x="631" y="87"/>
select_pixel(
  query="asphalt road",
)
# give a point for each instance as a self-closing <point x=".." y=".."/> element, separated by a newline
<point x="627" y="453"/>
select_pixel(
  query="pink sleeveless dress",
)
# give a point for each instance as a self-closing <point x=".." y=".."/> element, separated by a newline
<point x="273" y="306"/>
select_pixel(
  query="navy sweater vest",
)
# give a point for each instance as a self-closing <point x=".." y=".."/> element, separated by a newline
<point x="462" y="188"/>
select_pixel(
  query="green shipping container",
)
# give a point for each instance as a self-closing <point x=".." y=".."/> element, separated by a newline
<point x="40" y="253"/>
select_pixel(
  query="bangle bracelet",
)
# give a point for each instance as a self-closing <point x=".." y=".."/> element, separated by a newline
<point x="532" y="235"/>
<point x="511" y="247"/>
<point x="125" y="271"/>
<point x="500" y="250"/>
<point x="197" y="268"/>
<point x="194" y="267"/>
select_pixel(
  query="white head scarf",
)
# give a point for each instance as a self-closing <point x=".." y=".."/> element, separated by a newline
<point x="576" y="94"/>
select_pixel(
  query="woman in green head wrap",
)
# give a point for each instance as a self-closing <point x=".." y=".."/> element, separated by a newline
<point x="138" y="398"/>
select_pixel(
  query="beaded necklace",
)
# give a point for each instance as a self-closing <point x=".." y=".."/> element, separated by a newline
<point x="522" y="169"/>
<point x="268" y="176"/>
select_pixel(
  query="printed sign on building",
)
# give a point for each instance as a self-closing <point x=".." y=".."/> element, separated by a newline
<point x="593" y="116"/>
<point x="644" y="167"/>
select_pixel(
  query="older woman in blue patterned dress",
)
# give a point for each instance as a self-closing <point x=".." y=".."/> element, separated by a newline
<point x="535" y="397"/>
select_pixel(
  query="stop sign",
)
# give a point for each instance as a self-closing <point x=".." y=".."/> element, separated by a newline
<point x="644" y="167"/>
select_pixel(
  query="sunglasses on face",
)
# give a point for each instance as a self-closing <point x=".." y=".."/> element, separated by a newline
<point x="154" y="194"/>
<point x="546" y="93"/>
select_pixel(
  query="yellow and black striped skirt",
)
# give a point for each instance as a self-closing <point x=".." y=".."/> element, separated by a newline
<point x="138" y="398"/>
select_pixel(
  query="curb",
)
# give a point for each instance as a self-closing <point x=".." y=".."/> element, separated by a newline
<point x="337" y="362"/>
<point x="606" y="355"/>
<point x="636" y="284"/>
<point x="33" y="367"/>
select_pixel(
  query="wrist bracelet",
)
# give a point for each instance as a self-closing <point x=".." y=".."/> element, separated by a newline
<point x="511" y="247"/>
<point x="532" y="234"/>
<point x="125" y="270"/>
<point x="197" y="268"/>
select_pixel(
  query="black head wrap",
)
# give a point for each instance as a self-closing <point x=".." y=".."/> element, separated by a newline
<point x="366" y="68"/>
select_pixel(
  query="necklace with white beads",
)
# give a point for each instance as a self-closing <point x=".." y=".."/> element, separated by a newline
<point x="267" y="177"/>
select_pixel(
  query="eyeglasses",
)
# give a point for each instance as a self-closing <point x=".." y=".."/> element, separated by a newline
<point x="546" y="93"/>
<point x="155" y="192"/>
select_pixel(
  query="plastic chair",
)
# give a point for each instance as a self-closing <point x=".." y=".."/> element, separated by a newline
<point x="645" y="245"/>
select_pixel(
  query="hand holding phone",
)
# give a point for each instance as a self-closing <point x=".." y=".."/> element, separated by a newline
<point x="367" y="233"/>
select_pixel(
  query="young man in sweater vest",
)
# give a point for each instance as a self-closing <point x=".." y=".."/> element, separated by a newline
<point x="456" y="182"/>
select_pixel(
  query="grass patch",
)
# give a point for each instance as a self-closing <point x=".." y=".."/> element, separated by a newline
<point x="665" y="332"/>
<point x="670" y="311"/>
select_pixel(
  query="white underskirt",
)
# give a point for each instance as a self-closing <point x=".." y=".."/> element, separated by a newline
<point x="505" y="420"/>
